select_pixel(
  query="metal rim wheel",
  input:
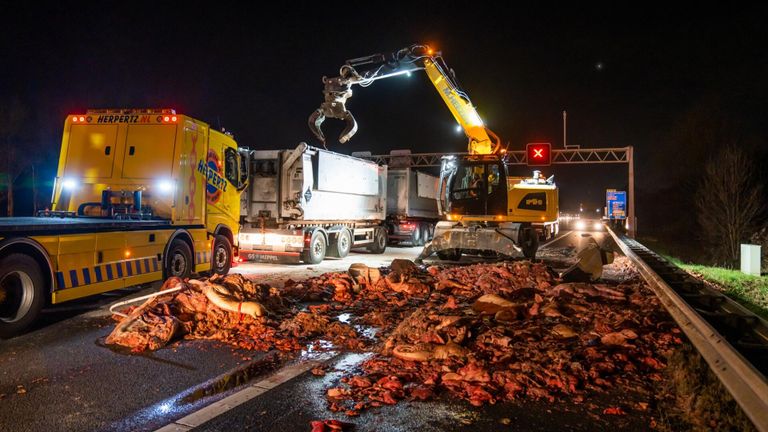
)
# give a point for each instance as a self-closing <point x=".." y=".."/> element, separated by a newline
<point x="222" y="255"/>
<point x="179" y="260"/>
<point x="21" y="293"/>
<point x="316" y="251"/>
<point x="343" y="243"/>
<point x="425" y="234"/>
<point x="416" y="238"/>
<point x="18" y="292"/>
<point x="379" y="244"/>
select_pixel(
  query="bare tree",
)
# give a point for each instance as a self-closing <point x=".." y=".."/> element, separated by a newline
<point x="16" y="154"/>
<point x="728" y="202"/>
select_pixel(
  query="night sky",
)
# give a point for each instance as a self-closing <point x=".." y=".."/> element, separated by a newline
<point x="626" y="76"/>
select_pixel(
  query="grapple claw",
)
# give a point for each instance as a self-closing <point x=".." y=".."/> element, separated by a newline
<point x="350" y="130"/>
<point x="336" y="92"/>
<point x="316" y="120"/>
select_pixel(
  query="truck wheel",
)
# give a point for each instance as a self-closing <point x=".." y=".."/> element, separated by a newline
<point x="416" y="238"/>
<point x="178" y="262"/>
<point x="379" y="244"/>
<point x="530" y="243"/>
<point x="425" y="234"/>
<point x="340" y="244"/>
<point x="316" y="251"/>
<point x="222" y="255"/>
<point x="343" y="243"/>
<point x="21" y="293"/>
<point x="449" y="254"/>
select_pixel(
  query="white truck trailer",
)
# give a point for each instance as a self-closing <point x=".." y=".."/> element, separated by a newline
<point x="304" y="204"/>
<point x="411" y="206"/>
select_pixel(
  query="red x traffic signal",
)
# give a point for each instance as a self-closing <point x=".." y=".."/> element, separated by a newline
<point x="539" y="154"/>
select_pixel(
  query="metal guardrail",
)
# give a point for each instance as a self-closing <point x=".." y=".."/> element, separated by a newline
<point x="732" y="340"/>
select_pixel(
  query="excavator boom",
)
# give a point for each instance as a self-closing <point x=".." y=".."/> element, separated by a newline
<point x="363" y="71"/>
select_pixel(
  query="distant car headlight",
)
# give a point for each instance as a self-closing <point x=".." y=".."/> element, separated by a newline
<point x="69" y="184"/>
<point x="597" y="226"/>
<point x="580" y="225"/>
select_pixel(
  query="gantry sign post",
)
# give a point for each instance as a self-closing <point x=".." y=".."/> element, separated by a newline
<point x="569" y="156"/>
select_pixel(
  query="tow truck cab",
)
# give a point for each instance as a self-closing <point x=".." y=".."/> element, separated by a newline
<point x="140" y="195"/>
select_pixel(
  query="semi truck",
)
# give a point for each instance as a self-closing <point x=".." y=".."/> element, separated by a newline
<point x="139" y="195"/>
<point x="306" y="203"/>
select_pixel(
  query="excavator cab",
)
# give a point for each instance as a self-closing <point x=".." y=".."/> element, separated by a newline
<point x="474" y="187"/>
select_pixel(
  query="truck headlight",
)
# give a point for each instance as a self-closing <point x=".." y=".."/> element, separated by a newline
<point x="69" y="184"/>
<point x="165" y="186"/>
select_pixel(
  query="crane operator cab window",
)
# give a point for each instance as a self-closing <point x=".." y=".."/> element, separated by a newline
<point x="477" y="189"/>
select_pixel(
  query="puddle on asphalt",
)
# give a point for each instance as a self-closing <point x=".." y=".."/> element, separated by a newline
<point x="234" y="378"/>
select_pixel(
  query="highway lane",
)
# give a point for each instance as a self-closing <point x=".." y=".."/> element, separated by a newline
<point x="63" y="366"/>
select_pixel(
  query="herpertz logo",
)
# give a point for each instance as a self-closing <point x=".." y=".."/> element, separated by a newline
<point x="215" y="183"/>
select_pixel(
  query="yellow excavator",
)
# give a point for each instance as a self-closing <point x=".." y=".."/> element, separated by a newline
<point x="487" y="211"/>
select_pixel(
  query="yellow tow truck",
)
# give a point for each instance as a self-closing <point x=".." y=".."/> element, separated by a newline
<point x="140" y="195"/>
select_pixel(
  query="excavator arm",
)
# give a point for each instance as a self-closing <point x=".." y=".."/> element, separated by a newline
<point x="364" y="71"/>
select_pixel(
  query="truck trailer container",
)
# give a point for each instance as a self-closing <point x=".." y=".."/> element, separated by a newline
<point x="304" y="204"/>
<point x="411" y="206"/>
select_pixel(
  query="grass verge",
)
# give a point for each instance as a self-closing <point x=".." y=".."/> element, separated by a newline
<point x="750" y="291"/>
<point x="695" y="399"/>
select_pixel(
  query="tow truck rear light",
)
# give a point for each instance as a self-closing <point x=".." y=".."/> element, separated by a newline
<point x="168" y="119"/>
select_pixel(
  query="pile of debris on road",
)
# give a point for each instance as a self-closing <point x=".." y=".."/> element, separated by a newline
<point x="491" y="332"/>
<point x="483" y="332"/>
<point x="230" y="309"/>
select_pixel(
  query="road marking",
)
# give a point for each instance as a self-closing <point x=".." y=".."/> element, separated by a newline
<point x="217" y="408"/>
<point x="555" y="239"/>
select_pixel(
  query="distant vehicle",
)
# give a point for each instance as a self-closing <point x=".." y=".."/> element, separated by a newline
<point x="587" y="224"/>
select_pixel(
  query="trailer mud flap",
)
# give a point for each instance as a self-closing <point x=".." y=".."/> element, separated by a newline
<point x="272" y="257"/>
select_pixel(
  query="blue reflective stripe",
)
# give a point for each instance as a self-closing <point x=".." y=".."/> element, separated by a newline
<point x="60" y="280"/>
<point x="119" y="267"/>
<point x="146" y="265"/>
<point x="129" y="268"/>
<point x="109" y="271"/>
<point x="154" y="263"/>
<point x="97" y="272"/>
<point x="73" y="278"/>
<point x="86" y="276"/>
<point x="138" y="267"/>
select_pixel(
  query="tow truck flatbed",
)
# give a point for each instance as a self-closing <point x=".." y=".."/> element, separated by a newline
<point x="15" y="226"/>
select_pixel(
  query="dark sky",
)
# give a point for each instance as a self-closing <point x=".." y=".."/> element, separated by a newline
<point x="257" y="71"/>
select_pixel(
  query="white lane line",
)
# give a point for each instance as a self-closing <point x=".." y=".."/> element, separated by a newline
<point x="215" y="409"/>
<point x="555" y="239"/>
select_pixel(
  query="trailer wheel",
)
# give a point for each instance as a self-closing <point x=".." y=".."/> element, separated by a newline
<point x="449" y="254"/>
<point x="222" y="255"/>
<point x="416" y="236"/>
<point x="178" y="262"/>
<point x="343" y="243"/>
<point x="22" y="293"/>
<point x="529" y="243"/>
<point x="316" y="251"/>
<point x="425" y="234"/>
<point x="379" y="244"/>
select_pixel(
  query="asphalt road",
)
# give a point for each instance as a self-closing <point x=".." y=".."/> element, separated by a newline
<point x="61" y="377"/>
